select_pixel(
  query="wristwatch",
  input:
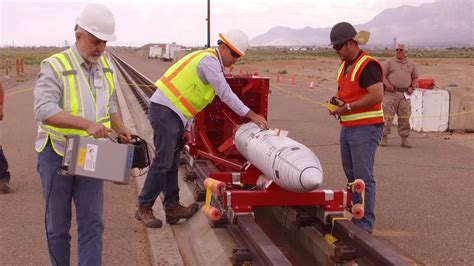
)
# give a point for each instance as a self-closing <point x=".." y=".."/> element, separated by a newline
<point x="348" y="107"/>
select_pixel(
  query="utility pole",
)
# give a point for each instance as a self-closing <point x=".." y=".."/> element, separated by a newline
<point x="208" y="23"/>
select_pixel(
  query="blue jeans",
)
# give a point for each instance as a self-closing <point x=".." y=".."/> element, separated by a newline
<point x="163" y="173"/>
<point x="358" y="146"/>
<point x="4" y="174"/>
<point x="88" y="196"/>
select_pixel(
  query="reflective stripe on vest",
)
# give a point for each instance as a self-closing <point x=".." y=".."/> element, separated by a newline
<point x="350" y="91"/>
<point x="340" y="70"/>
<point x="108" y="74"/>
<point x="183" y="86"/>
<point x="78" y="97"/>
<point x="358" y="64"/>
<point x="356" y="67"/>
<point x="363" y="115"/>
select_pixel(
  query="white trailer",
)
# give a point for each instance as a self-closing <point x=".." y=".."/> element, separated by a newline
<point x="155" y="51"/>
<point x="169" y="52"/>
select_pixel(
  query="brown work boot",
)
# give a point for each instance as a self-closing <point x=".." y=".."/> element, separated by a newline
<point x="178" y="211"/>
<point x="405" y="143"/>
<point x="384" y="141"/>
<point x="4" y="187"/>
<point x="145" y="214"/>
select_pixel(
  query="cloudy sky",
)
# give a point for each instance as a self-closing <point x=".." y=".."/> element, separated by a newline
<point x="35" y="22"/>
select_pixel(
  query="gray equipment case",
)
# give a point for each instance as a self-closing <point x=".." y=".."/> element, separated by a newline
<point x="98" y="158"/>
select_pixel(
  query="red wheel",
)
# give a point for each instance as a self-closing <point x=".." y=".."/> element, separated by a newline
<point x="212" y="213"/>
<point x="358" y="211"/>
<point x="216" y="185"/>
<point x="359" y="185"/>
<point x="207" y="181"/>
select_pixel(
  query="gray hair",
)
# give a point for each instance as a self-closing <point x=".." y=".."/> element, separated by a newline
<point x="403" y="44"/>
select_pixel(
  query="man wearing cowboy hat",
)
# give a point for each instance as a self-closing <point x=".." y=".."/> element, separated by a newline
<point x="360" y="93"/>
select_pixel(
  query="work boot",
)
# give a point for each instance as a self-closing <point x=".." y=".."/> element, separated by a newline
<point x="178" y="211"/>
<point x="4" y="187"/>
<point x="405" y="143"/>
<point x="145" y="214"/>
<point x="384" y="141"/>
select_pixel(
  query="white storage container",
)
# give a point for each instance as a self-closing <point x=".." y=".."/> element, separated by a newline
<point x="429" y="110"/>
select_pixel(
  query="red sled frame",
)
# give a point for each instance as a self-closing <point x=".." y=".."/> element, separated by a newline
<point x="237" y="191"/>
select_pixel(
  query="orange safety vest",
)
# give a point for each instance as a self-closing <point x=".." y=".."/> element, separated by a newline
<point x="351" y="91"/>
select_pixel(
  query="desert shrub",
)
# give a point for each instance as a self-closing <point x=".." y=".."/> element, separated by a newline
<point x="272" y="54"/>
<point x="30" y="55"/>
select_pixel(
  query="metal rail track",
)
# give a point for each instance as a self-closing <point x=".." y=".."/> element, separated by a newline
<point x="141" y="86"/>
<point x="255" y="247"/>
<point x="254" y="244"/>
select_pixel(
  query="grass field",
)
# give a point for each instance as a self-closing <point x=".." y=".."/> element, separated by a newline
<point x="33" y="56"/>
<point x="277" y="54"/>
<point x="30" y="55"/>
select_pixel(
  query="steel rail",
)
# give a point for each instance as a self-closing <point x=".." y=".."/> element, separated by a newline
<point x="254" y="245"/>
<point x="141" y="86"/>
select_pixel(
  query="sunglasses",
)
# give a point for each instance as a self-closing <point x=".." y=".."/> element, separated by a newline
<point x="399" y="50"/>
<point x="234" y="54"/>
<point x="338" y="47"/>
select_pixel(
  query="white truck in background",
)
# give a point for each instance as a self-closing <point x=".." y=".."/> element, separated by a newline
<point x="155" y="51"/>
<point x="169" y="52"/>
<point x="165" y="52"/>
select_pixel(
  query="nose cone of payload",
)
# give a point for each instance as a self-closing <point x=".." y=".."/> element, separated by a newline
<point x="311" y="178"/>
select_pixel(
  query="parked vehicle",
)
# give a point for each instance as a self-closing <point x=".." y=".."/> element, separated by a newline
<point x="166" y="52"/>
<point x="155" y="51"/>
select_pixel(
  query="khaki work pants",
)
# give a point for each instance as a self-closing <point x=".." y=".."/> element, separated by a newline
<point x="395" y="103"/>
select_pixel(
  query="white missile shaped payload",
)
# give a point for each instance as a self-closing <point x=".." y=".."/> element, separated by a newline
<point x="291" y="165"/>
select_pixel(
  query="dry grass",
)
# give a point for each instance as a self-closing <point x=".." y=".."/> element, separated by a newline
<point x="30" y="55"/>
<point x="281" y="54"/>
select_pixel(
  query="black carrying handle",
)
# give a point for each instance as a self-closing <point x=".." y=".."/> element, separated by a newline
<point x="141" y="156"/>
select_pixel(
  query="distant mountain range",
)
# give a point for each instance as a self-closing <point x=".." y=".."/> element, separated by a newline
<point x="444" y="23"/>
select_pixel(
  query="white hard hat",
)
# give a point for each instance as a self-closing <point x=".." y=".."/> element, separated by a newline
<point x="98" y="21"/>
<point x="237" y="40"/>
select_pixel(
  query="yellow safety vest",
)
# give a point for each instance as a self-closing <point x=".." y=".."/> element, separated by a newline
<point x="78" y="98"/>
<point x="183" y="87"/>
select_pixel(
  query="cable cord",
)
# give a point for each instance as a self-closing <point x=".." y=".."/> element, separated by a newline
<point x="149" y="156"/>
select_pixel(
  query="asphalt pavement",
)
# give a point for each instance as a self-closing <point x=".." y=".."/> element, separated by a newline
<point x="424" y="194"/>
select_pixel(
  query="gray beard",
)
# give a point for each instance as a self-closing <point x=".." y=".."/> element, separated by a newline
<point x="92" y="59"/>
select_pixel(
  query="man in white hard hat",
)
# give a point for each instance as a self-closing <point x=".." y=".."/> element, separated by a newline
<point x="75" y="95"/>
<point x="184" y="90"/>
